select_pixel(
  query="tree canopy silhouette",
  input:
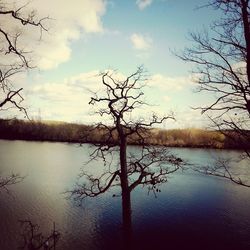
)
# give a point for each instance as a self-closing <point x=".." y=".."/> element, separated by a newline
<point x="147" y="165"/>
<point x="221" y="57"/>
<point x="150" y="165"/>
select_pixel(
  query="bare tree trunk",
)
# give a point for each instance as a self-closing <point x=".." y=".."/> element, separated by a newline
<point x="123" y="157"/>
<point x="126" y="202"/>
<point x="123" y="163"/>
<point x="244" y="10"/>
<point x="127" y="220"/>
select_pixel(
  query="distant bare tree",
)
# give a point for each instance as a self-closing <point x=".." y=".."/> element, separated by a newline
<point x="222" y="61"/>
<point x="149" y="167"/>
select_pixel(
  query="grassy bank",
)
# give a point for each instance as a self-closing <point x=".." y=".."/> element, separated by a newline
<point x="70" y="132"/>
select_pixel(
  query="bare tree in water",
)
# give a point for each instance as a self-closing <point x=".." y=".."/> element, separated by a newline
<point x="221" y="57"/>
<point x="14" y="59"/>
<point x="148" y="165"/>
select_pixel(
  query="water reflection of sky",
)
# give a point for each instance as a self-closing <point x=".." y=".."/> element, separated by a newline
<point x="189" y="206"/>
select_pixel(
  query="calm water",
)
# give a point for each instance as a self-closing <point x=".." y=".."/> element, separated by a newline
<point x="191" y="212"/>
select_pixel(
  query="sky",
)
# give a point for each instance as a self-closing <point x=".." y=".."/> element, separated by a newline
<point x="86" y="37"/>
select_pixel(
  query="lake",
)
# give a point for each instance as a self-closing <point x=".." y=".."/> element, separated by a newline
<point x="192" y="211"/>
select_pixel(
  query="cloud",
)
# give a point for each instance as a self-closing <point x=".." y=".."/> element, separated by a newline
<point x="69" y="21"/>
<point x="167" y="99"/>
<point x="68" y="100"/>
<point x="189" y="118"/>
<point x="140" y="42"/>
<point x="167" y="83"/>
<point x="142" y="4"/>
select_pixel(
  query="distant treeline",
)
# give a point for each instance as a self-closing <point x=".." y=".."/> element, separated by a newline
<point x="40" y="131"/>
<point x="69" y="132"/>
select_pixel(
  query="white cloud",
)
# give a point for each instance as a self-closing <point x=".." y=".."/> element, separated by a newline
<point x="57" y="101"/>
<point x="167" y="98"/>
<point x="68" y="100"/>
<point x="69" y="21"/>
<point x="167" y="83"/>
<point x="142" y="4"/>
<point x="140" y="42"/>
<point x="188" y="118"/>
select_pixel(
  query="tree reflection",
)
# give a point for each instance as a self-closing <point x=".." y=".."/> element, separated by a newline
<point x="32" y="239"/>
<point x="7" y="181"/>
<point x="147" y="166"/>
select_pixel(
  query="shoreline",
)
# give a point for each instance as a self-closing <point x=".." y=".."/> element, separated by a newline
<point x="137" y="145"/>
<point x="49" y="131"/>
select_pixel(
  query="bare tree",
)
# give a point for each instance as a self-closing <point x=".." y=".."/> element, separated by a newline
<point x="221" y="57"/>
<point x="225" y="168"/>
<point x="148" y="166"/>
<point x="14" y="60"/>
<point x="14" y="56"/>
<point x="119" y="100"/>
